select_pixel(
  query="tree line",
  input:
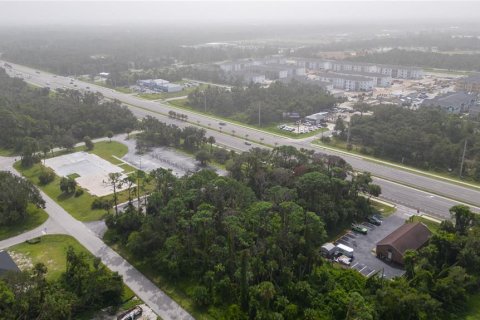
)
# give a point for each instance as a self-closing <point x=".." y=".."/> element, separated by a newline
<point x="83" y="287"/>
<point x="37" y="120"/>
<point x="424" y="59"/>
<point x="248" y="244"/>
<point x="427" y="138"/>
<point x="254" y="102"/>
<point x="15" y="196"/>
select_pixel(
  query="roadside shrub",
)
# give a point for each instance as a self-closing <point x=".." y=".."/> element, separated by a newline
<point x="46" y="176"/>
<point x="325" y="139"/>
<point x="221" y="155"/>
<point x="78" y="193"/>
<point x="100" y="203"/>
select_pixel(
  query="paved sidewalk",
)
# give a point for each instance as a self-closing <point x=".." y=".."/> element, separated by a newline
<point x="162" y="304"/>
<point x="48" y="227"/>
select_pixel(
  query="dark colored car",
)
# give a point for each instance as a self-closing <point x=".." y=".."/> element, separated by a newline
<point x="374" y="220"/>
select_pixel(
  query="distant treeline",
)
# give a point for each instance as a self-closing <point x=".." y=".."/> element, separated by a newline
<point x="243" y="104"/>
<point x="427" y="138"/>
<point x="90" y="51"/>
<point x="43" y="120"/>
<point x="470" y="62"/>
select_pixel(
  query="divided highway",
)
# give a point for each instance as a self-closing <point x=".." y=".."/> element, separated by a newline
<point x="416" y="191"/>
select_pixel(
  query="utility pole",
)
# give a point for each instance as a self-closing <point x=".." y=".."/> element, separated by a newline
<point x="259" y="115"/>
<point x="205" y="101"/>
<point x="348" y="132"/>
<point x="463" y="158"/>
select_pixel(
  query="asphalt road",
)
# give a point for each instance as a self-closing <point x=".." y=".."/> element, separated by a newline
<point x="443" y="194"/>
<point x="162" y="304"/>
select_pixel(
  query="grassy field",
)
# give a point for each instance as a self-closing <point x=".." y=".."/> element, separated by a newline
<point x="78" y="207"/>
<point x="51" y="251"/>
<point x="124" y="90"/>
<point x="384" y="209"/>
<point x="6" y="153"/>
<point x="35" y="218"/>
<point x="432" y="225"/>
<point x="168" y="95"/>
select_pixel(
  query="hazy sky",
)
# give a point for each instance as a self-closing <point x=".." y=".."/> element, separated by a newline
<point x="233" y="12"/>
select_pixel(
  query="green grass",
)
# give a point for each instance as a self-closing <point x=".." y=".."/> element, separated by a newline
<point x="73" y="176"/>
<point x="383" y="208"/>
<point x="107" y="150"/>
<point x="78" y="207"/>
<point x="167" y="95"/>
<point x="473" y="308"/>
<point x="6" y="153"/>
<point x="432" y="225"/>
<point x="36" y="217"/>
<point x="52" y="252"/>
<point x="124" y="90"/>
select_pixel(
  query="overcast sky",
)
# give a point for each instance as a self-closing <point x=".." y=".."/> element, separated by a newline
<point x="233" y="12"/>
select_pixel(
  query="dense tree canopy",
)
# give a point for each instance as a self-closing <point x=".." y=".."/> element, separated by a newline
<point x="244" y="104"/>
<point x="427" y="138"/>
<point x="15" y="195"/>
<point x="425" y="59"/>
<point x="250" y="241"/>
<point x="83" y="287"/>
<point x="36" y="120"/>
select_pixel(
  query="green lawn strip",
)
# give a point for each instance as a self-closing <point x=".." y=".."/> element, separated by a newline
<point x="384" y="208"/>
<point x="432" y="225"/>
<point x="272" y="129"/>
<point x="167" y="95"/>
<point x="473" y="308"/>
<point x="107" y="150"/>
<point x="51" y="251"/>
<point x="6" y="153"/>
<point x="177" y="290"/>
<point x="124" y="90"/>
<point x="78" y="207"/>
<point x="341" y="147"/>
<point x="36" y="216"/>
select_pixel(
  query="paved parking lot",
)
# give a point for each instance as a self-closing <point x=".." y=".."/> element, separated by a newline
<point x="365" y="260"/>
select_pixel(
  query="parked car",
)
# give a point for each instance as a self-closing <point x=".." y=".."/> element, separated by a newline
<point x="358" y="228"/>
<point x="343" y="260"/>
<point x="222" y="123"/>
<point x="378" y="216"/>
<point x="374" y="220"/>
<point x="248" y="143"/>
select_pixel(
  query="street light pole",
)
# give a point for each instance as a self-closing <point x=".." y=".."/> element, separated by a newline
<point x="205" y="101"/>
<point x="259" y="115"/>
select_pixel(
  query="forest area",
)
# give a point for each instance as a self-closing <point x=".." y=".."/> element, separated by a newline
<point x="37" y="120"/>
<point x="468" y="62"/>
<point x="245" y="104"/>
<point x="246" y="246"/>
<point x="427" y="138"/>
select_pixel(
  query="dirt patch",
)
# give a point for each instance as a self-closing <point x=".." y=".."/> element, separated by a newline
<point x="23" y="262"/>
